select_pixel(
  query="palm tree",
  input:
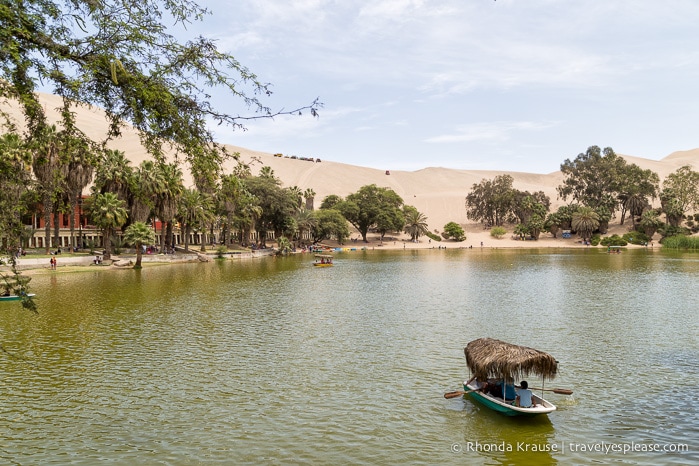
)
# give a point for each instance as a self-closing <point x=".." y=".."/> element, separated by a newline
<point x="305" y="221"/>
<point x="195" y="211"/>
<point x="167" y="199"/>
<point x="46" y="165"/>
<point x="113" y="174"/>
<point x="415" y="224"/>
<point x="297" y="195"/>
<point x="80" y="170"/>
<point x="634" y="205"/>
<point x="148" y="181"/>
<point x="229" y="196"/>
<point x="309" y="195"/>
<point x="108" y="213"/>
<point x="138" y="234"/>
<point x="15" y="173"/>
<point x="267" y="172"/>
<point x="585" y="222"/>
<point x="650" y="222"/>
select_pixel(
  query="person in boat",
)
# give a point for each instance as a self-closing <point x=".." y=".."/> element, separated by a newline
<point x="524" y="396"/>
<point x="510" y="393"/>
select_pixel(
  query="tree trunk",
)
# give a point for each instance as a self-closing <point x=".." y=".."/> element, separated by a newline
<point x="47" y="224"/>
<point x="107" y="243"/>
<point x="71" y="223"/>
<point x="138" y="256"/>
<point x="56" y="226"/>
<point x="186" y="236"/>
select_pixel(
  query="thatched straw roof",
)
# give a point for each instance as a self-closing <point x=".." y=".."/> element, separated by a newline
<point x="490" y="358"/>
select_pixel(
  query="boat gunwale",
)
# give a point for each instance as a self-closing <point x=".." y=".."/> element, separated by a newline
<point x="542" y="409"/>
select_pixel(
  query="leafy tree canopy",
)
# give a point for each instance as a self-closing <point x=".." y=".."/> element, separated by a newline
<point x="680" y="193"/>
<point x="453" y="230"/>
<point x="491" y="201"/>
<point x="121" y="56"/>
<point x="372" y="206"/>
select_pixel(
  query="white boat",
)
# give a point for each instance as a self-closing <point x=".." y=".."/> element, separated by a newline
<point x="491" y="360"/>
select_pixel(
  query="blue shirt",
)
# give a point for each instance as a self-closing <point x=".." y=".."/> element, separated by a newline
<point x="525" y="397"/>
<point x="510" y="393"/>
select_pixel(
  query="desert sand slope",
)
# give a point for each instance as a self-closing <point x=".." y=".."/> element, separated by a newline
<point x="439" y="193"/>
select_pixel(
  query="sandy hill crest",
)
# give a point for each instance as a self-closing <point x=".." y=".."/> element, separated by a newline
<point x="439" y="193"/>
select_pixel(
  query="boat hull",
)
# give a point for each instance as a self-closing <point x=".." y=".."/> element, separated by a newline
<point x="322" y="265"/>
<point x="14" y="297"/>
<point x="543" y="406"/>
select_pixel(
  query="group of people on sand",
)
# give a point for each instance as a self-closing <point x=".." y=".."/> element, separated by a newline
<point x="519" y="396"/>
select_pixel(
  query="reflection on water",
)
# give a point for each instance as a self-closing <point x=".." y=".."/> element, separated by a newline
<point x="276" y="361"/>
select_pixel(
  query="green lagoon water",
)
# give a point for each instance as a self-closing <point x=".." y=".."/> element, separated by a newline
<point x="274" y="361"/>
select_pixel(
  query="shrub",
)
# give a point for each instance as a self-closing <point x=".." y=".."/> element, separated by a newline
<point x="117" y="244"/>
<point x="497" y="232"/>
<point x="636" y="237"/>
<point x="668" y="230"/>
<point x="220" y="251"/>
<point x="682" y="242"/>
<point x="454" y="230"/>
<point x="595" y="240"/>
<point x="433" y="236"/>
<point x="614" y="240"/>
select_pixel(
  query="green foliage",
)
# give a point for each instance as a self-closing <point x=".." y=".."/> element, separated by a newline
<point x="277" y="206"/>
<point x="491" y="201"/>
<point x="117" y="244"/>
<point x="284" y="245"/>
<point x="650" y="222"/>
<point x="614" y="240"/>
<point x="681" y="242"/>
<point x="595" y="240"/>
<point x="415" y="223"/>
<point x="119" y="55"/>
<point x="636" y="237"/>
<point x="108" y="213"/>
<point x="221" y="250"/>
<point x="137" y="234"/>
<point x="90" y="245"/>
<point x="329" y="202"/>
<point x="680" y="193"/>
<point x="15" y="283"/>
<point x="593" y="178"/>
<point x="667" y="231"/>
<point x="329" y="223"/>
<point x="434" y="237"/>
<point x="372" y="206"/>
<point x="454" y="231"/>
<point x="585" y="221"/>
<point x="497" y="232"/>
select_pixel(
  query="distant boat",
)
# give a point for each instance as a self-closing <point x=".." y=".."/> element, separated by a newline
<point x="14" y="297"/>
<point x="323" y="260"/>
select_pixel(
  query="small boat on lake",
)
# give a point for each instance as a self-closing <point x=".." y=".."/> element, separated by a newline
<point x="14" y="297"/>
<point x="323" y="260"/>
<point x="491" y="360"/>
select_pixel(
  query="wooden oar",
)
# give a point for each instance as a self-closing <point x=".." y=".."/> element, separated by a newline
<point x="457" y="393"/>
<point x="560" y="391"/>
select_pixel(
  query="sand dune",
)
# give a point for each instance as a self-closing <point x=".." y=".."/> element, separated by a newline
<point x="437" y="192"/>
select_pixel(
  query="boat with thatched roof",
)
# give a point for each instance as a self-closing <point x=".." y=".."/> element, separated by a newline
<point x="323" y="260"/>
<point x="491" y="360"/>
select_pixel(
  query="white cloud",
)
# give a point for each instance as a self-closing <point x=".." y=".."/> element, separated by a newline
<point x="489" y="132"/>
<point x="595" y="68"/>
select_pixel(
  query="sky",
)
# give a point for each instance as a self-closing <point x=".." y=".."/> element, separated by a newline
<point x="514" y="85"/>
